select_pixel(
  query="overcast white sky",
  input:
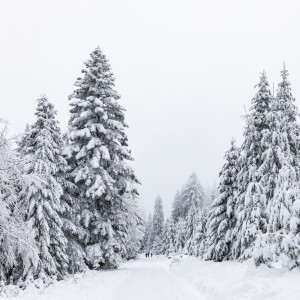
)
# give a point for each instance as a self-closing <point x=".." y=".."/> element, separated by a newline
<point x="185" y="70"/>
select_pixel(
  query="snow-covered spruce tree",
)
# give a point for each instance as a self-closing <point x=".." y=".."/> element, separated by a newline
<point x="192" y="201"/>
<point x="45" y="205"/>
<point x="136" y="228"/>
<point x="222" y="217"/>
<point x="158" y="216"/>
<point x="98" y="155"/>
<point x="287" y="113"/>
<point x="176" y="206"/>
<point x="281" y="177"/>
<point x="284" y="103"/>
<point x="18" y="249"/>
<point x="250" y="176"/>
<point x="281" y="135"/>
<point x="158" y="225"/>
<point x="192" y="193"/>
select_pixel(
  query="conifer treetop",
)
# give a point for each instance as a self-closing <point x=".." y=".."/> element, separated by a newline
<point x="192" y="194"/>
<point x="284" y="101"/>
<point x="44" y="138"/>
<point x="261" y="101"/>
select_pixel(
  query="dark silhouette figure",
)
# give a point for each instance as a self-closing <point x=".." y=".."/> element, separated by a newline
<point x="151" y="254"/>
<point x="146" y="254"/>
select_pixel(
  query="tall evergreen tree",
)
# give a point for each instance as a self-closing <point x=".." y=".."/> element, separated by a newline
<point x="281" y="135"/>
<point x="192" y="194"/>
<point x="287" y="113"/>
<point x="281" y="177"/>
<point x="284" y="102"/>
<point x="135" y="228"/>
<point x="98" y="155"/>
<point x="158" y="225"/>
<point x="45" y="205"/>
<point x="250" y="162"/>
<point x="222" y="217"/>
<point x="286" y="135"/>
<point x="158" y="216"/>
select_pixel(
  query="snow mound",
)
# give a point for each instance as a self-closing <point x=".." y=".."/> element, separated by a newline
<point x="235" y="281"/>
<point x="263" y="271"/>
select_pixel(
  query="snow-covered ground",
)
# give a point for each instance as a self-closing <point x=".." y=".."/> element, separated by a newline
<point x="234" y="280"/>
<point x="157" y="278"/>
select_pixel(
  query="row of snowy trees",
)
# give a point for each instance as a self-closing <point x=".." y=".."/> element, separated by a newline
<point x="189" y="209"/>
<point x="257" y="213"/>
<point x="70" y="202"/>
<point x="257" y="210"/>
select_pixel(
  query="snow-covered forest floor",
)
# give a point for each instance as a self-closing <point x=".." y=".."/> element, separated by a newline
<point x="190" y="278"/>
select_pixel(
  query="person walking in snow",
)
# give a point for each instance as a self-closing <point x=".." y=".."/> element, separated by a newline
<point x="146" y="254"/>
<point x="151" y="254"/>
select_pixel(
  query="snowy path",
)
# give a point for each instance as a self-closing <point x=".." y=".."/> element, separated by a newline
<point x="150" y="279"/>
<point x="188" y="279"/>
<point x="142" y="279"/>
